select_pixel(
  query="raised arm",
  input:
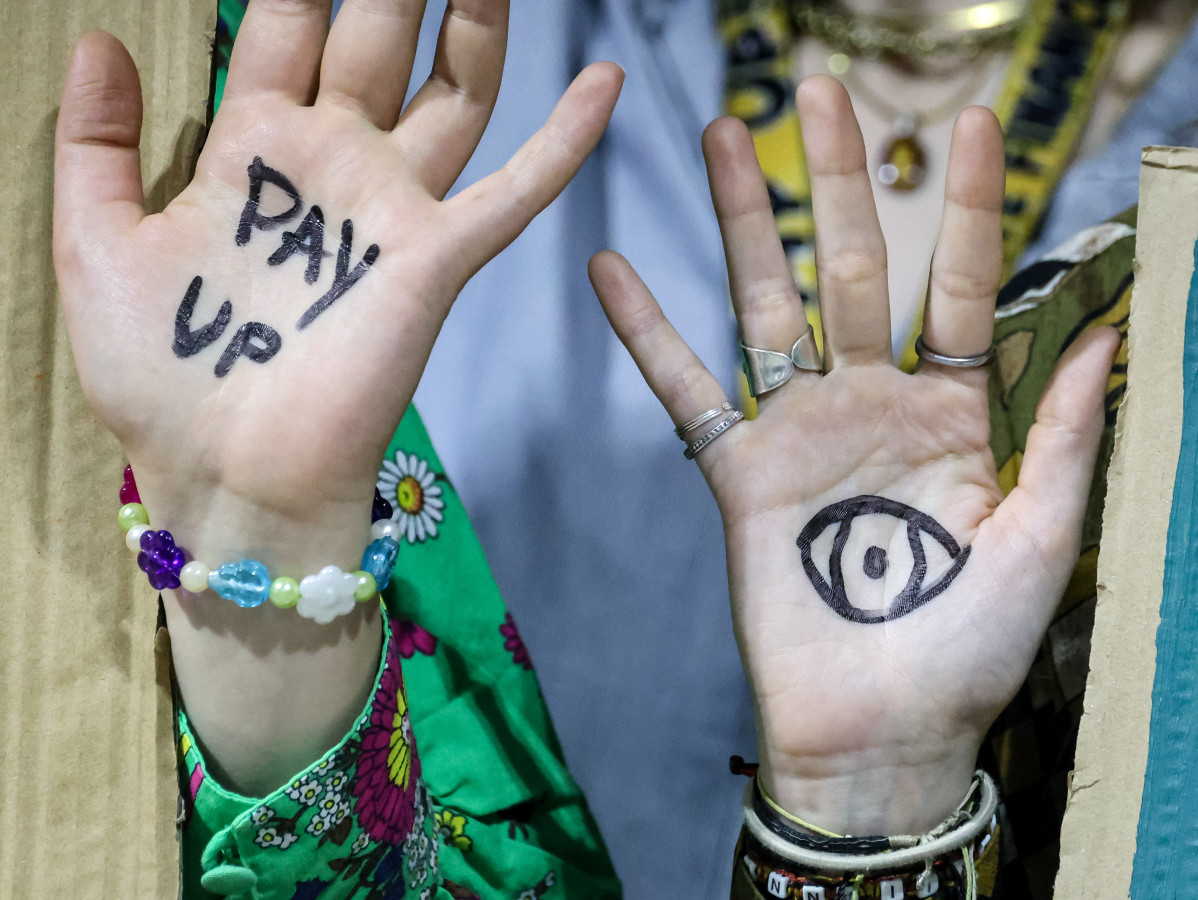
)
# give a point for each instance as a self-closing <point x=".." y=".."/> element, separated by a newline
<point x="887" y="599"/>
<point x="253" y="345"/>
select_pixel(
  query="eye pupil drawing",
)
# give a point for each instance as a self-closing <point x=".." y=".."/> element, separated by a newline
<point x="875" y="562"/>
<point x="914" y="594"/>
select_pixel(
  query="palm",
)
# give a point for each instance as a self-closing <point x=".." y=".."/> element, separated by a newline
<point x="887" y="598"/>
<point x="350" y="372"/>
<point x="316" y="217"/>
<point x="922" y="441"/>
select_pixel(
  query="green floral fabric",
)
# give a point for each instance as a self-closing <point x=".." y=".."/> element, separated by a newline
<point x="454" y="787"/>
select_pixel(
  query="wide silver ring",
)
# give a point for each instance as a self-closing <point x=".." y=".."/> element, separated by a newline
<point x="768" y="370"/>
<point x="702" y="418"/>
<point x="700" y="443"/>
<point x="926" y="353"/>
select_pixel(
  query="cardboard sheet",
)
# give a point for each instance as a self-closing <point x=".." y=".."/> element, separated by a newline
<point x="87" y="786"/>
<point x="1123" y="737"/>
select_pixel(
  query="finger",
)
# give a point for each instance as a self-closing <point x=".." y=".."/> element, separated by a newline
<point x="490" y="215"/>
<point x="767" y="303"/>
<point x="967" y="265"/>
<point x="368" y="58"/>
<point x="673" y="372"/>
<point x="850" y="250"/>
<point x="441" y="127"/>
<point x="278" y="49"/>
<point x="1050" y="500"/>
<point x="97" y="167"/>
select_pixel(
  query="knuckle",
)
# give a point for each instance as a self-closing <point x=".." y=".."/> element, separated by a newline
<point x="854" y="265"/>
<point x="963" y="284"/>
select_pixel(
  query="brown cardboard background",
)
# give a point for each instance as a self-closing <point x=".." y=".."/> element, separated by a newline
<point x="1098" y="838"/>
<point x="87" y="786"/>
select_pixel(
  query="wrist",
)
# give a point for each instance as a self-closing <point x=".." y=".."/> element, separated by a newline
<point x="874" y="792"/>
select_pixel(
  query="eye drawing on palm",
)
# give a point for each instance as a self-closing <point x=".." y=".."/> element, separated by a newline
<point x="258" y="341"/>
<point x="875" y="562"/>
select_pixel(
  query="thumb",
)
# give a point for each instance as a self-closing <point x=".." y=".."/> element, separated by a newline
<point x="97" y="166"/>
<point x="1049" y="503"/>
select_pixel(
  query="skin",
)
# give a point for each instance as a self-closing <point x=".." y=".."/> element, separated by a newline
<point x="861" y="728"/>
<point x="874" y="728"/>
<point x="277" y="462"/>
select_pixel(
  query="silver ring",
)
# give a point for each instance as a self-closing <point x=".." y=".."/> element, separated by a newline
<point x="702" y="442"/>
<point x="926" y="353"/>
<point x="770" y="369"/>
<point x="700" y="419"/>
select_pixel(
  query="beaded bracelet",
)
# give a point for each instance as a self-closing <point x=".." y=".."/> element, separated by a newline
<point x="321" y="597"/>
<point x="893" y="863"/>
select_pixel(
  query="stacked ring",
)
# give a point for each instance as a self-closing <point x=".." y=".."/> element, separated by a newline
<point x="698" y="420"/>
<point x="700" y="443"/>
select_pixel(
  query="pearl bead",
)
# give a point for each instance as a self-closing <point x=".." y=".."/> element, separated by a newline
<point x="366" y="586"/>
<point x="194" y="577"/>
<point x="133" y="537"/>
<point x="132" y="514"/>
<point x="284" y="592"/>
<point x="385" y="528"/>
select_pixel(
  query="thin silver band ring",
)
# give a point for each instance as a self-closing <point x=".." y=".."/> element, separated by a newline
<point x="926" y="353"/>
<point x="692" y="449"/>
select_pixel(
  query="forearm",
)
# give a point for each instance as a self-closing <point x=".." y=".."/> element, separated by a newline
<point x="267" y="690"/>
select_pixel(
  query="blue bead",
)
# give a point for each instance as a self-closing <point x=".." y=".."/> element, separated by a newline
<point x="246" y="583"/>
<point x="379" y="560"/>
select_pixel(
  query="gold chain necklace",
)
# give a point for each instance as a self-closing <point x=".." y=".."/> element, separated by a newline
<point x="911" y="36"/>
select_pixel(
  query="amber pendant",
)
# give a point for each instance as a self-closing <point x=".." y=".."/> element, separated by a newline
<point x="904" y="163"/>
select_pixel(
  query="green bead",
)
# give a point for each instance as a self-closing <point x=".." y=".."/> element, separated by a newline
<point x="366" y="588"/>
<point x="132" y="514"/>
<point x="284" y="592"/>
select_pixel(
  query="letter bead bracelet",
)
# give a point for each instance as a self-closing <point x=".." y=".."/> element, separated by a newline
<point x="321" y="597"/>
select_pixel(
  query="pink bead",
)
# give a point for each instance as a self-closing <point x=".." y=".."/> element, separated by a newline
<point x="129" y="488"/>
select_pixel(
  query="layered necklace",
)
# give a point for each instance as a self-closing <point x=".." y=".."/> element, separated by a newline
<point x="945" y="45"/>
<point x="1057" y="54"/>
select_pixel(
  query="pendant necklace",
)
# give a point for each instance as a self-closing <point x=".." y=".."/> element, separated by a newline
<point x="904" y="158"/>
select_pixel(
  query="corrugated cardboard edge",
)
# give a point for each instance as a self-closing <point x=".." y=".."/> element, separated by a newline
<point x="1098" y="838"/>
<point x="88" y="793"/>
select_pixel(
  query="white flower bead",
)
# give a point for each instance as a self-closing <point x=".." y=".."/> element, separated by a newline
<point x="133" y="537"/>
<point x="326" y="595"/>
<point x="194" y="577"/>
<point x="385" y="528"/>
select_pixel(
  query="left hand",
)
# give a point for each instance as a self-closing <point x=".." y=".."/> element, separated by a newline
<point x="873" y="726"/>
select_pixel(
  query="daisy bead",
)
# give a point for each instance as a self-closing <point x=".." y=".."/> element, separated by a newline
<point x="133" y="537"/>
<point x="194" y="577"/>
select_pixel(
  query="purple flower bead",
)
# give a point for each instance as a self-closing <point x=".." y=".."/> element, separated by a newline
<point x="381" y="509"/>
<point x="161" y="560"/>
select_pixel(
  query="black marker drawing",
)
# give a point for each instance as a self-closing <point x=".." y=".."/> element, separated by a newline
<point x="344" y="278"/>
<point x="188" y="342"/>
<point x="255" y="341"/>
<point x="251" y="218"/>
<point x="307" y="239"/>
<point x="914" y="594"/>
